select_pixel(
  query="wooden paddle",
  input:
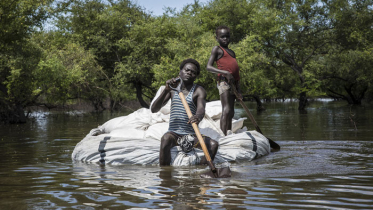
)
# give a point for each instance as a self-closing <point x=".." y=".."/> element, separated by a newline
<point x="223" y="172"/>
<point x="275" y="147"/>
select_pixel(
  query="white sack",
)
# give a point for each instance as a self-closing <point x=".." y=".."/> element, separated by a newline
<point x="214" y="109"/>
<point x="156" y="131"/>
<point x="237" y="124"/>
<point x="115" y="150"/>
<point x="140" y="119"/>
<point x="180" y="158"/>
<point x="128" y="132"/>
<point x="244" y="146"/>
<point x="166" y="108"/>
<point x="118" y="150"/>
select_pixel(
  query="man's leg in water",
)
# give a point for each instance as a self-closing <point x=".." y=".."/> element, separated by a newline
<point x="227" y="102"/>
<point x="168" y="141"/>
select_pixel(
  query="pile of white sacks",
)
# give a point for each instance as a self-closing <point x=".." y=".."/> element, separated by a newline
<point x="135" y="139"/>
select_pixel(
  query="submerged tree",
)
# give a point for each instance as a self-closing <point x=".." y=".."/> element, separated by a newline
<point x="349" y="75"/>
<point x="103" y="27"/>
<point x="67" y="73"/>
<point x="293" y="32"/>
<point x="348" y="65"/>
<point x="18" y="56"/>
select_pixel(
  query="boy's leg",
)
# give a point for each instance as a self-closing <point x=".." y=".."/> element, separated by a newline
<point x="168" y="141"/>
<point x="227" y="102"/>
<point x="212" y="147"/>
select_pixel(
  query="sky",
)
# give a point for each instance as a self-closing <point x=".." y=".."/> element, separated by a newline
<point x="156" y="6"/>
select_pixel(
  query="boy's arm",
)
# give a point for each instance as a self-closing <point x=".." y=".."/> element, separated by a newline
<point x="163" y="97"/>
<point x="210" y="63"/>
<point x="201" y="105"/>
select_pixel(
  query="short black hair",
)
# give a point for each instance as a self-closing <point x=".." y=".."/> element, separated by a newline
<point x="222" y="27"/>
<point x="191" y="60"/>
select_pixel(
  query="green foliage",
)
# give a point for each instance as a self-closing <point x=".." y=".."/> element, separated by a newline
<point x="353" y="23"/>
<point x="188" y="41"/>
<point x="110" y="31"/>
<point x="253" y="65"/>
<point x="348" y="65"/>
<point x="349" y="75"/>
<point x="69" y="72"/>
<point x="99" y="26"/>
<point x="293" y="33"/>
<point x="145" y="41"/>
<point x="19" y="82"/>
<point x="232" y="13"/>
<point x="19" y="19"/>
<point x="101" y="50"/>
<point x="18" y="56"/>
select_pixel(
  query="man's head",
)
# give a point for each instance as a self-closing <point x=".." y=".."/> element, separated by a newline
<point x="189" y="70"/>
<point x="223" y="35"/>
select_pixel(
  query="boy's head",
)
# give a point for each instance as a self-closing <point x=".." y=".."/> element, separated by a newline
<point x="222" y="27"/>
<point x="223" y="36"/>
<point x="189" y="70"/>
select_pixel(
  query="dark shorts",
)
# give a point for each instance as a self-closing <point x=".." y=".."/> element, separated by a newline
<point x="223" y="86"/>
<point x="196" y="141"/>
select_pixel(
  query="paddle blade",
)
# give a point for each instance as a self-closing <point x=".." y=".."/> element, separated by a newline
<point x="274" y="146"/>
<point x="224" y="172"/>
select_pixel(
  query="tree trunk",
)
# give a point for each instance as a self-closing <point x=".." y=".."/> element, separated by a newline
<point x="112" y="104"/>
<point x="351" y="98"/>
<point x="302" y="101"/>
<point x="138" y="87"/>
<point x="259" y="104"/>
<point x="355" y="99"/>
<point x="16" y="115"/>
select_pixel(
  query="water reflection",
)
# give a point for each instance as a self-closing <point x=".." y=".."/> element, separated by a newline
<point x="335" y="174"/>
<point x="296" y="177"/>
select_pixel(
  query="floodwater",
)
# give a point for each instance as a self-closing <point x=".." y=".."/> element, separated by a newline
<point x="325" y="163"/>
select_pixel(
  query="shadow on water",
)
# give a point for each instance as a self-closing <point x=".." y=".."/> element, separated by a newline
<point x="324" y="162"/>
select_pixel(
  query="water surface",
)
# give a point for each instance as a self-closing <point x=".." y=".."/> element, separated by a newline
<point x="325" y="163"/>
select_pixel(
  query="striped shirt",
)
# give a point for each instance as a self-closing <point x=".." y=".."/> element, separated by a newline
<point x="178" y="116"/>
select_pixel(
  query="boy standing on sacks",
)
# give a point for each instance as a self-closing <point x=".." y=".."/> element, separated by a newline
<point x="228" y="73"/>
<point x="180" y="125"/>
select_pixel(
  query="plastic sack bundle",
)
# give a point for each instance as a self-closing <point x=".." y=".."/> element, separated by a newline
<point x="106" y="149"/>
<point x="135" y="139"/>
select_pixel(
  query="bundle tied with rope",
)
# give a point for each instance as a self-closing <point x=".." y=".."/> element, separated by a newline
<point x="186" y="143"/>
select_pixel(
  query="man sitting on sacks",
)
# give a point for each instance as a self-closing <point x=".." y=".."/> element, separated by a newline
<point x="180" y="125"/>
